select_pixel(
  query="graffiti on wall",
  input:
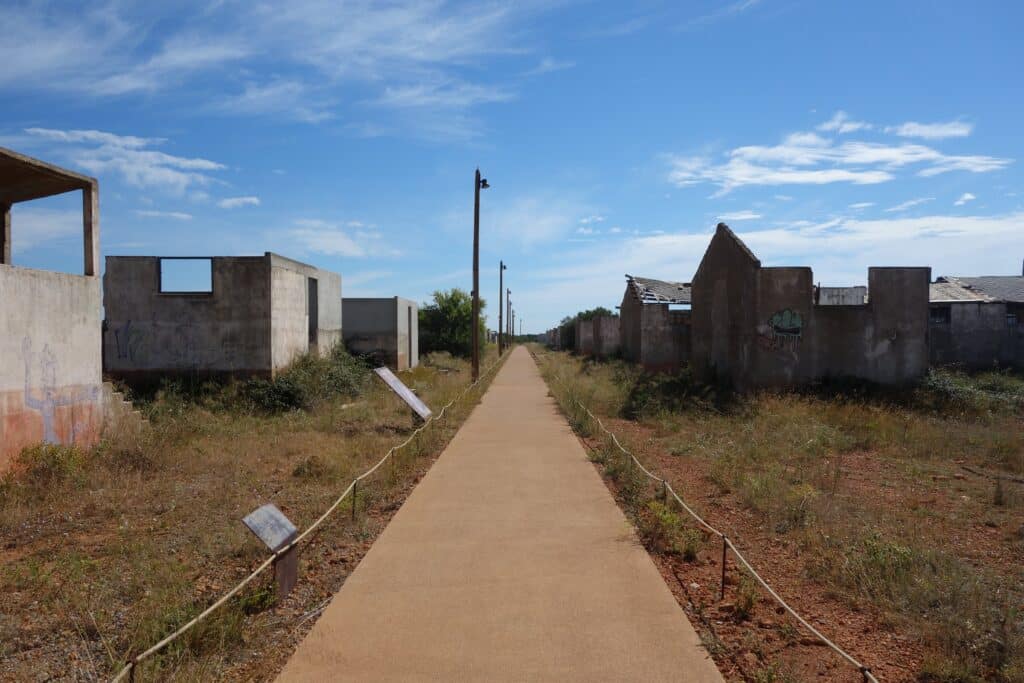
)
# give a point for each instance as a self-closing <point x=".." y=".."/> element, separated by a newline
<point x="784" y="330"/>
<point x="45" y="397"/>
<point x="129" y="341"/>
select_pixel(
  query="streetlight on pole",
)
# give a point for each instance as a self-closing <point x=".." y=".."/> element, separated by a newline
<point x="501" y="288"/>
<point x="513" y="326"/>
<point x="479" y="184"/>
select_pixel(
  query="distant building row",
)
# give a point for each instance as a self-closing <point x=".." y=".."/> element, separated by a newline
<point x="754" y="326"/>
<point x="239" y="316"/>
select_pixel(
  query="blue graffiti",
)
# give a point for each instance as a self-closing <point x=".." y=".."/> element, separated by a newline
<point x="48" y="399"/>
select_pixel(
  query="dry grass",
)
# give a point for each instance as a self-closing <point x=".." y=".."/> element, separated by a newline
<point x="108" y="551"/>
<point x="869" y="485"/>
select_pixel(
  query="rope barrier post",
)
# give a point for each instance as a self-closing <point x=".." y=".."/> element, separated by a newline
<point x="131" y="671"/>
<point x="865" y="673"/>
<point x="355" y="487"/>
<point x="664" y="491"/>
<point x="725" y="546"/>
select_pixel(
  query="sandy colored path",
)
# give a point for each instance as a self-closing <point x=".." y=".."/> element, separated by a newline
<point x="509" y="561"/>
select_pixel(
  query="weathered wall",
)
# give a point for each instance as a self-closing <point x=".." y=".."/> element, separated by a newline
<point x="664" y="336"/>
<point x="978" y="335"/>
<point x="289" y="300"/>
<point x="629" y="326"/>
<point x="723" y="317"/>
<point x="148" y="333"/>
<point x="408" y="341"/>
<point x="759" y="327"/>
<point x="372" y="328"/>
<point x="50" y="371"/>
<point x="585" y="337"/>
<point x="606" y="336"/>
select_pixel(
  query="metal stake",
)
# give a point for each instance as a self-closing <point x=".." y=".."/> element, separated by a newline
<point x="725" y="546"/>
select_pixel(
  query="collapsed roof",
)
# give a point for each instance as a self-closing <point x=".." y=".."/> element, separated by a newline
<point x="987" y="288"/>
<point x="650" y="291"/>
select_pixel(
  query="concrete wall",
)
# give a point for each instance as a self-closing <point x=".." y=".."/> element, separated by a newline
<point x="289" y="302"/>
<point x="148" y="333"/>
<point x="653" y="335"/>
<point x="50" y="371"/>
<point x="408" y="326"/>
<point x="760" y="327"/>
<point x="379" y="328"/>
<point x="606" y="336"/>
<point x="978" y="335"/>
<point x="585" y="337"/>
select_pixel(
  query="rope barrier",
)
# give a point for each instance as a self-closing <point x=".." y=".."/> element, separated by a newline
<point x="726" y="542"/>
<point x="129" y="669"/>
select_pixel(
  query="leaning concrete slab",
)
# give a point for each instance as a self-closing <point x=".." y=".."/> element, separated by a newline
<point x="509" y="562"/>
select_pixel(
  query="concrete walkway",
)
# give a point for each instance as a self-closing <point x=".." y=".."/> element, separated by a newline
<point x="509" y="561"/>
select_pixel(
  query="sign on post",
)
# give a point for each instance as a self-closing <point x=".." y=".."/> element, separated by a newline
<point x="411" y="399"/>
<point x="276" y="531"/>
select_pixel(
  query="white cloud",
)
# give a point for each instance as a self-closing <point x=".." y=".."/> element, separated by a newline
<point x="932" y="131"/>
<point x="784" y="197"/>
<point x="442" y="95"/>
<point x="33" y="227"/>
<point x="964" y="198"/>
<point x="841" y="123"/>
<point x="861" y="205"/>
<point x="839" y="250"/>
<point x="99" y="152"/>
<point x="592" y="219"/>
<point x="383" y="51"/>
<point x="290" y="99"/>
<point x="809" y="159"/>
<point x="238" y="202"/>
<point x="176" y="215"/>
<point x="910" y="203"/>
<point x="729" y="11"/>
<point x="325" y="238"/>
<point x="745" y="215"/>
<point x="548" y="65"/>
<point x="583" y="230"/>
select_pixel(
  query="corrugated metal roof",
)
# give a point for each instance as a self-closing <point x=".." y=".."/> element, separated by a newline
<point x="985" y="288"/>
<point x="650" y="291"/>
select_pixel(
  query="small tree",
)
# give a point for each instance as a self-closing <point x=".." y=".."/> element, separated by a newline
<point x="446" y="324"/>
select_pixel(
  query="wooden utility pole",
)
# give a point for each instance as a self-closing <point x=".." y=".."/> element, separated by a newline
<point x="501" y="288"/>
<point x="479" y="184"/>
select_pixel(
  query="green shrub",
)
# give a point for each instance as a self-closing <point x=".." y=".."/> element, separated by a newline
<point x="274" y="396"/>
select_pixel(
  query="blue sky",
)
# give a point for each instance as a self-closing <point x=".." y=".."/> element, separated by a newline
<point x="614" y="135"/>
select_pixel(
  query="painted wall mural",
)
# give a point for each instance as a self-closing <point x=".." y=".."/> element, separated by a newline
<point x="783" y="330"/>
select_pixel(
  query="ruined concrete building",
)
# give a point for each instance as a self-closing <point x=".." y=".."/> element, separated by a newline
<point x="977" y="322"/>
<point x="606" y="336"/>
<point x="762" y="327"/>
<point x="584" y="336"/>
<point x="50" y="372"/>
<point x="654" y="323"/>
<point x="215" y="316"/>
<point x="387" y="330"/>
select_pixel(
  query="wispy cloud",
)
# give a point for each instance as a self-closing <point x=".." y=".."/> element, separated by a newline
<point x="289" y="99"/>
<point x="130" y="157"/>
<point x="442" y="95"/>
<point x="587" y="220"/>
<point x="548" y="65"/>
<point x="909" y="204"/>
<point x="842" y="123"/>
<point x="809" y="159"/>
<point x="932" y="131"/>
<point x="238" y="202"/>
<point x="964" y="198"/>
<point x="729" y="11"/>
<point x="858" y="206"/>
<point x="176" y="215"/>
<point x="37" y="226"/>
<point x="324" y="237"/>
<point x="745" y="215"/>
